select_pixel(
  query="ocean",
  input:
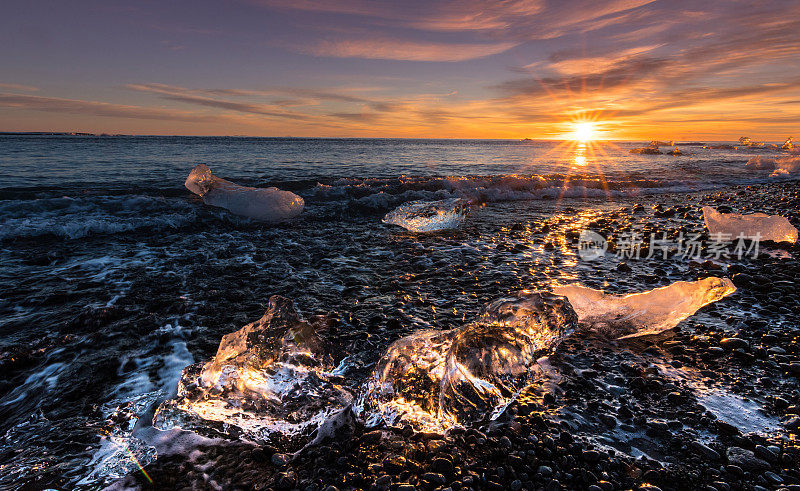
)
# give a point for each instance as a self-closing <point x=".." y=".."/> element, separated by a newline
<point x="114" y="277"/>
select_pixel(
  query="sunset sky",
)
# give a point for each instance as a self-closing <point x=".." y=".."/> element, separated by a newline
<point x="452" y="69"/>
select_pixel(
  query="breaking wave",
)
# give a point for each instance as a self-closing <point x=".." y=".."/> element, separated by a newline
<point x="73" y="212"/>
<point x="74" y="218"/>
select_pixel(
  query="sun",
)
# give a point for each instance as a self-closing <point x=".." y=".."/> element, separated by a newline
<point x="584" y="131"/>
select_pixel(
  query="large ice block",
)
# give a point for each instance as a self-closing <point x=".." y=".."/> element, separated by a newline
<point x="429" y="216"/>
<point x="271" y="376"/>
<point x="640" y="314"/>
<point x="266" y="204"/>
<point x="435" y="379"/>
<point x="766" y="227"/>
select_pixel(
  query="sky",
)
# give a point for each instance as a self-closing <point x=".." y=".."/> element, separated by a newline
<point x="638" y="69"/>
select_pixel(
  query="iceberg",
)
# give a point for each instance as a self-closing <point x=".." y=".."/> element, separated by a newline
<point x="266" y="204"/>
<point x="788" y="144"/>
<point x="429" y="216"/>
<point x="767" y="227"/>
<point x="434" y="380"/>
<point x="272" y="376"/>
<point x="645" y="313"/>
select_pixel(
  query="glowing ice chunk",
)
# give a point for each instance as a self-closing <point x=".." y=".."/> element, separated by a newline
<point x="271" y="376"/>
<point x="640" y="314"/>
<point x="429" y="216"/>
<point x="436" y="379"/>
<point x="647" y="150"/>
<point x="767" y="227"/>
<point x="266" y="204"/>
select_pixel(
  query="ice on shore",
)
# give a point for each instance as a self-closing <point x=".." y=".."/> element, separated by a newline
<point x="778" y="166"/>
<point x="429" y="216"/>
<point x="271" y="376"/>
<point x="266" y="204"/>
<point x="653" y="150"/>
<point x="645" y="313"/>
<point x="436" y="379"/>
<point x="766" y="227"/>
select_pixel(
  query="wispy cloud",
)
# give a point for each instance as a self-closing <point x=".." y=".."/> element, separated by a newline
<point x="76" y="106"/>
<point x="19" y="87"/>
<point x="397" y="49"/>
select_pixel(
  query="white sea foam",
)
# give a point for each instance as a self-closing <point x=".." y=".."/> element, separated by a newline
<point x="74" y="218"/>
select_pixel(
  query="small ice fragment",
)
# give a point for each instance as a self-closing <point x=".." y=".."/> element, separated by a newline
<point x="116" y="458"/>
<point x="436" y="379"/>
<point x="647" y="150"/>
<point x="429" y="216"/>
<point x="640" y="314"/>
<point x="767" y="227"/>
<point x="788" y="144"/>
<point x="266" y="204"/>
<point x="271" y="376"/>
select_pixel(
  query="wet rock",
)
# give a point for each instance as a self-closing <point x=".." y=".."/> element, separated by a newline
<point x="394" y="464"/>
<point x="704" y="450"/>
<point x="281" y="459"/>
<point x="765" y="453"/>
<point x="746" y="460"/>
<point x="734" y="343"/>
<point x="443" y="466"/>
<point x="434" y="478"/>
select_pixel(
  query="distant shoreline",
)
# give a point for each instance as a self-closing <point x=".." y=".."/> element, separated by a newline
<point x="79" y="133"/>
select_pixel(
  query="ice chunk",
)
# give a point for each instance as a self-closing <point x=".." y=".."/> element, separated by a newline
<point x="767" y="227"/>
<point x="271" y="376"/>
<point x="788" y="144"/>
<point x="647" y="151"/>
<point x="267" y="204"/>
<point x="640" y="314"/>
<point x="436" y="379"/>
<point x="760" y="163"/>
<point x="429" y="216"/>
<point x="116" y="458"/>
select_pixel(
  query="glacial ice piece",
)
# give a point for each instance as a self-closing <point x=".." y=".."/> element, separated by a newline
<point x="788" y="144"/>
<point x="652" y="150"/>
<point x="267" y="204"/>
<point x="640" y="314"/>
<point x="760" y="163"/>
<point x="767" y="227"/>
<point x="429" y="216"/>
<point x="436" y="379"/>
<point x="271" y="376"/>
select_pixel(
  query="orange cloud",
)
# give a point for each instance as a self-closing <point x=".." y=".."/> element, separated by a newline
<point x="392" y="49"/>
